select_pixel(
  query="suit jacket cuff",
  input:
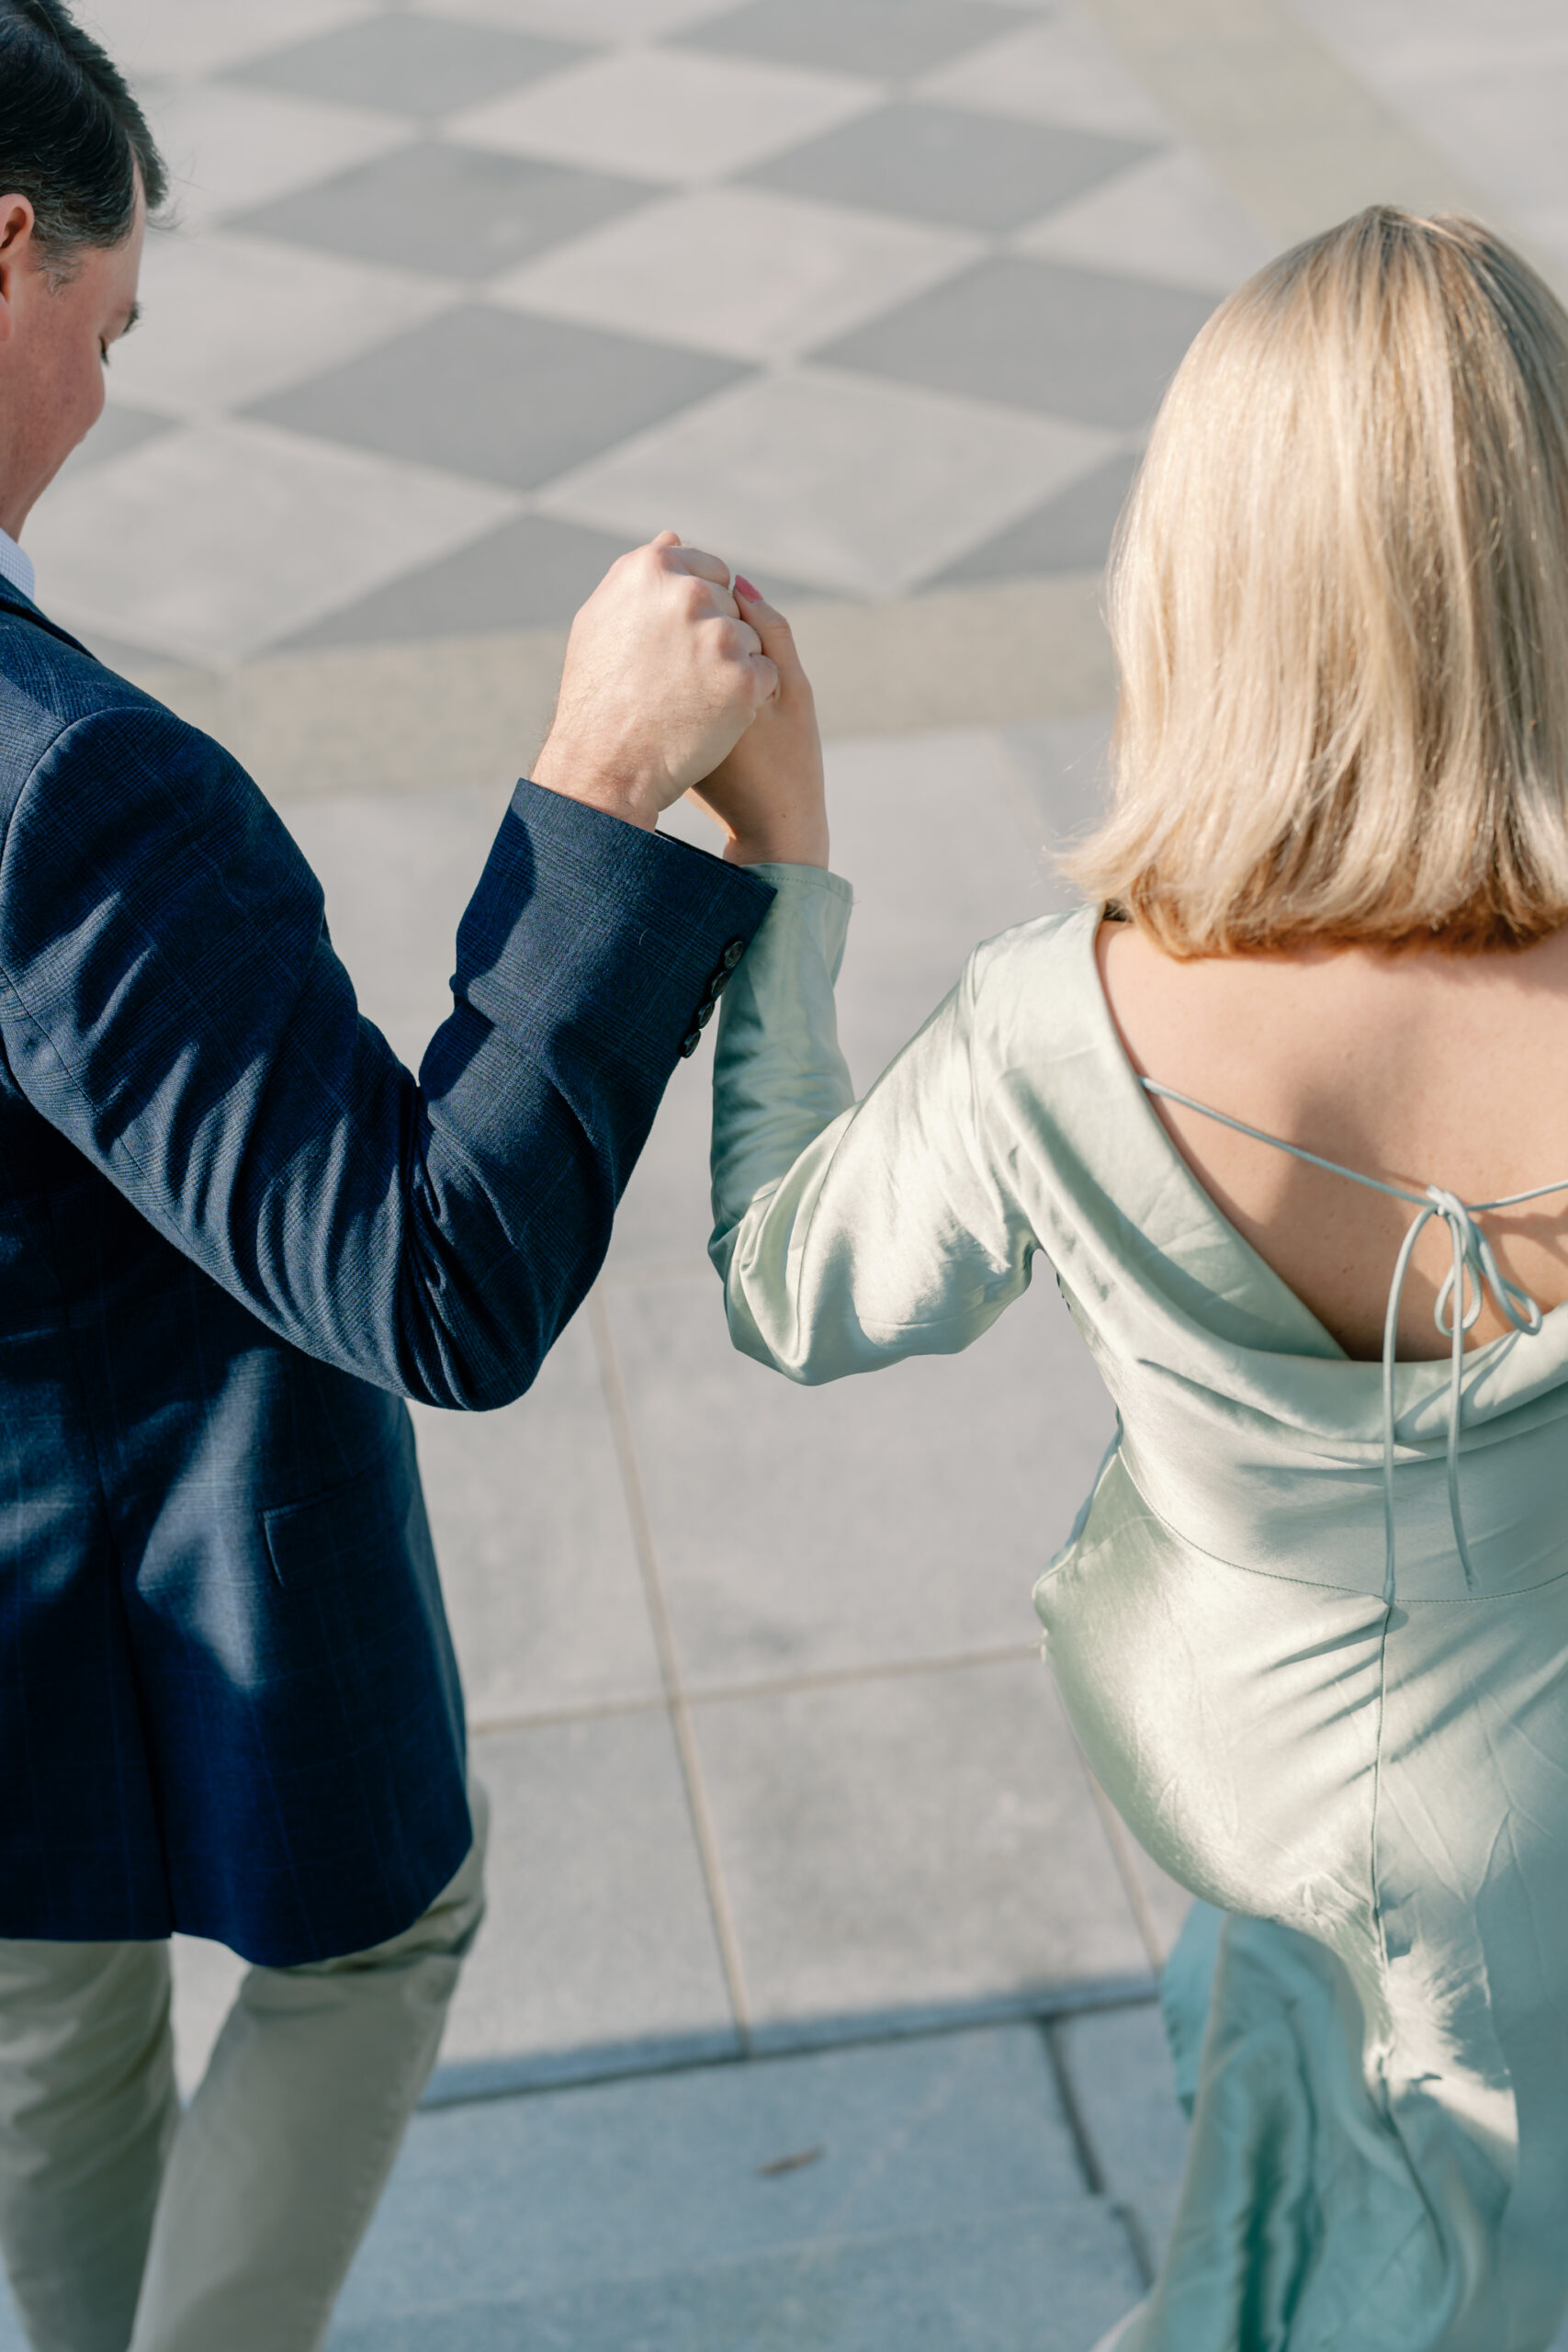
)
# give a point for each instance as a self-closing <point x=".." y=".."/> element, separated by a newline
<point x="592" y="928"/>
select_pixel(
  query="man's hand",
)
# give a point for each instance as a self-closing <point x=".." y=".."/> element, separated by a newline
<point x="662" y="678"/>
<point x="768" y="795"/>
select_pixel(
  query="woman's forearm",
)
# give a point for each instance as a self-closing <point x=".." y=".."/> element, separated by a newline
<point x="849" y="1234"/>
<point x="779" y="1077"/>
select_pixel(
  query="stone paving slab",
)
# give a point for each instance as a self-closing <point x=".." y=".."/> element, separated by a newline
<point x="911" y="1845"/>
<point x="899" y="1520"/>
<point x="927" y="2193"/>
<point x="934" y="2193"/>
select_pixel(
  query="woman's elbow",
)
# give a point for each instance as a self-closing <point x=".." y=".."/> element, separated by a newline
<point x="791" y="1354"/>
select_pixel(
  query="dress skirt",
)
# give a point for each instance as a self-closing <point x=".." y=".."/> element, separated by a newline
<point x="1374" y="1798"/>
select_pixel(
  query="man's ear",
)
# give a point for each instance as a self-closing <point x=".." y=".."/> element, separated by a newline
<point x="16" y="223"/>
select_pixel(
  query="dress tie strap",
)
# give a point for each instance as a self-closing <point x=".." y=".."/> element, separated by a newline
<point x="1474" y="1271"/>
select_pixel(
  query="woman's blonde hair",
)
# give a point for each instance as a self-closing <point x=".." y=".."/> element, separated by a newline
<point x="1339" y="601"/>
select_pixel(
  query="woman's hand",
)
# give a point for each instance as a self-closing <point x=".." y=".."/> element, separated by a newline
<point x="661" y="676"/>
<point x="768" y="794"/>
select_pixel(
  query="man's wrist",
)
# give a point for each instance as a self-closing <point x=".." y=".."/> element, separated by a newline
<point x="558" y="769"/>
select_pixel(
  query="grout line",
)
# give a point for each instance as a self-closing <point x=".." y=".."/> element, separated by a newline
<point x="1143" y="2253"/>
<point x="591" y="1711"/>
<point x="772" y="1687"/>
<point x="483" y="2082"/>
<point x="670" y="1666"/>
<point x="833" y="1678"/>
<point x="1084" y="2149"/>
<point x="1094" y="2175"/>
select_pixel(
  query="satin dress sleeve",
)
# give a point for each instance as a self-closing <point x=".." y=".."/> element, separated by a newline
<point x="851" y="1234"/>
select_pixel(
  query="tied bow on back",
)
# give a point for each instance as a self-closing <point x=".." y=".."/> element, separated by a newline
<point x="1473" y="1272"/>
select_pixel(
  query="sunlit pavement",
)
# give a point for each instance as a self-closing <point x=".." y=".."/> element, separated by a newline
<point x="816" y="2003"/>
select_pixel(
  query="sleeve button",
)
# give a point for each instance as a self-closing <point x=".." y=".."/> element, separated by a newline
<point x="732" y="954"/>
<point x="690" y="1043"/>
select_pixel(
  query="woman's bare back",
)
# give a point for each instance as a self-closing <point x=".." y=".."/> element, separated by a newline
<point x="1421" y="1067"/>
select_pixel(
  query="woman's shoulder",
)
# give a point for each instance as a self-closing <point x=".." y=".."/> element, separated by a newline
<point x="1037" y="986"/>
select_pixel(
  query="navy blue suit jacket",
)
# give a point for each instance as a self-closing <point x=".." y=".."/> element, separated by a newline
<point x="234" y="1233"/>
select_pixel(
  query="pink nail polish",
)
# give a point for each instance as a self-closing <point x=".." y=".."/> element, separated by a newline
<point x="744" y="588"/>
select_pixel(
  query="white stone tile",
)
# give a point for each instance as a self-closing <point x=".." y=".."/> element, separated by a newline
<point x="827" y="478"/>
<point x="184" y="38"/>
<point x="1059" y="72"/>
<point x="1504" y="126"/>
<point x="665" y="114"/>
<point x="529" y="1516"/>
<point x="897" y="1844"/>
<point x="739" y="270"/>
<point x="603" y="21"/>
<point x="981" y="1461"/>
<point x="1424" y="39"/>
<point x="598" y="1934"/>
<point x="228" y="147"/>
<point x="228" y="318"/>
<point x="214" y="539"/>
<point x="1167" y="219"/>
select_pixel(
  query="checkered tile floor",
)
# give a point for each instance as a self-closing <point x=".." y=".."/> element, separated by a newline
<point x="466" y="296"/>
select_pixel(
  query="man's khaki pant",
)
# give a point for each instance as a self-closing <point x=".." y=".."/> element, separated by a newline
<point x="229" y="2228"/>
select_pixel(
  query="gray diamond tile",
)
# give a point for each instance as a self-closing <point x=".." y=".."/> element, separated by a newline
<point x="455" y="211"/>
<point x="531" y="574"/>
<point x="410" y="65"/>
<point x="1068" y="533"/>
<point x="888" y="39"/>
<point x="215" y="540"/>
<point x="1036" y="335"/>
<point x="511" y="399"/>
<point x="934" y="163"/>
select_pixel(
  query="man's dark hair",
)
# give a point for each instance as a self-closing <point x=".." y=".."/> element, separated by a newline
<point x="72" y="137"/>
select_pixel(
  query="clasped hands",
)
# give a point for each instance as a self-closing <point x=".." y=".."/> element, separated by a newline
<point x="677" y="683"/>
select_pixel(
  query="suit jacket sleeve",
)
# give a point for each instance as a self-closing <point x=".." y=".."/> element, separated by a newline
<point x="170" y="1002"/>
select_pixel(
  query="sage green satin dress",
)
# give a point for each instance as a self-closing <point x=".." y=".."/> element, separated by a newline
<point x="1363" y="1767"/>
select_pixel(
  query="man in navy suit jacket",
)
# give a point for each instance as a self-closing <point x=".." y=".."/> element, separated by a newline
<point x="235" y="1233"/>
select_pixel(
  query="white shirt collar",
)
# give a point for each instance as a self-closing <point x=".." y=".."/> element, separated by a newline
<point x="15" y="567"/>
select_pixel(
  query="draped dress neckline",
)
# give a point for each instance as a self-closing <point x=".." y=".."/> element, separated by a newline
<point x="1473" y="1271"/>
